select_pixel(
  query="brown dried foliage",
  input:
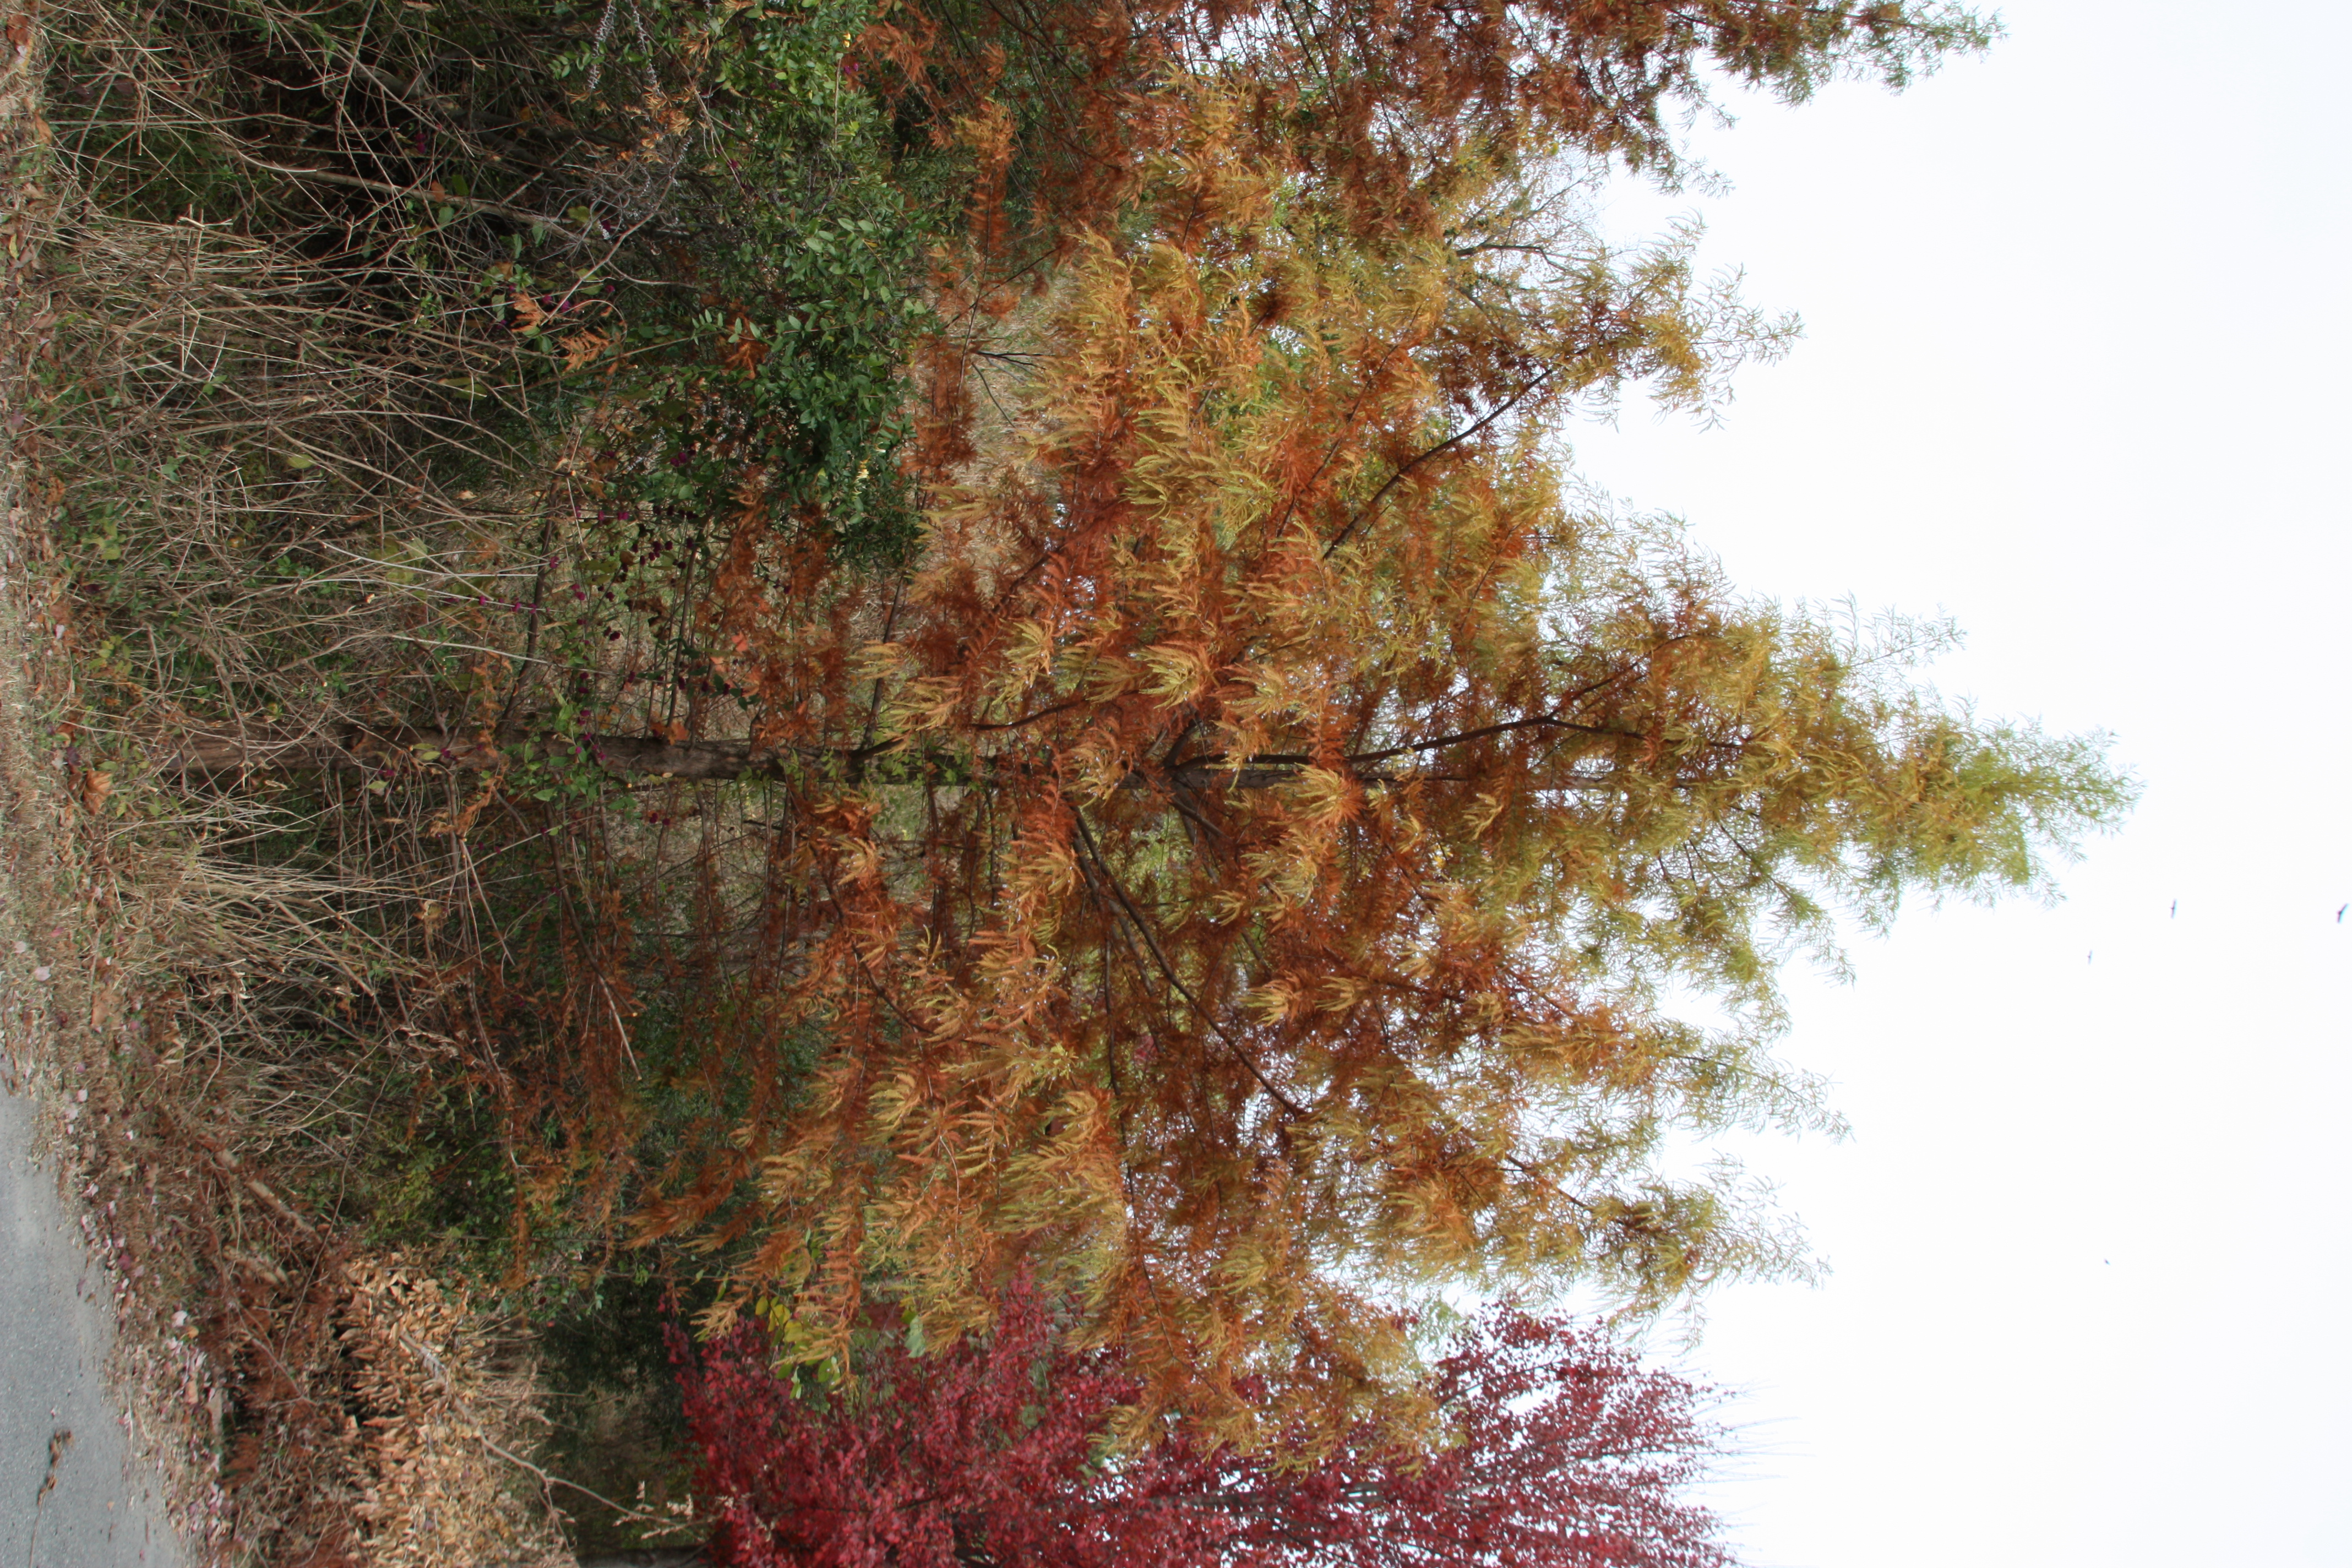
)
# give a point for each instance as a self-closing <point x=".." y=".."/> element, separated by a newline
<point x="441" y="1421"/>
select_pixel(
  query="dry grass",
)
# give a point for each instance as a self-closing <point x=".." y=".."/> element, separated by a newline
<point x="211" y="1019"/>
<point x="309" y="1402"/>
<point x="319" y="580"/>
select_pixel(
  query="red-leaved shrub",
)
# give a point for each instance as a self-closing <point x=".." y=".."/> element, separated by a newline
<point x="1563" y="1451"/>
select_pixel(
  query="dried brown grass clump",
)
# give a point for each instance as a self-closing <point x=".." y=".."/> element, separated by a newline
<point x="446" y="1409"/>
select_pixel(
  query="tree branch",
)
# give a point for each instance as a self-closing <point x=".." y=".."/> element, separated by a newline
<point x="1453" y="440"/>
<point x="1135" y="918"/>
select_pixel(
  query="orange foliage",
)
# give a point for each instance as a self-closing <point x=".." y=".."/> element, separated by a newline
<point x="1237" y="871"/>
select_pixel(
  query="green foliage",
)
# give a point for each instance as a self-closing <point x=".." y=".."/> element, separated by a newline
<point x="793" y="233"/>
<point x="439" y="1176"/>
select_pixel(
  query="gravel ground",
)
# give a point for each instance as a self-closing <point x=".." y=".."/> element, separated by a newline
<point x="71" y="1493"/>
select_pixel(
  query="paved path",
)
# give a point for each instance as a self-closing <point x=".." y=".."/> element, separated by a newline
<point x="70" y="1494"/>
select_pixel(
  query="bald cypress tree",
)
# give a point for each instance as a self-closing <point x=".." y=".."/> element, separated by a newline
<point x="1239" y="867"/>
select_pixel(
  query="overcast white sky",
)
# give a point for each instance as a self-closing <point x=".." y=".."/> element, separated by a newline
<point x="2077" y="371"/>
